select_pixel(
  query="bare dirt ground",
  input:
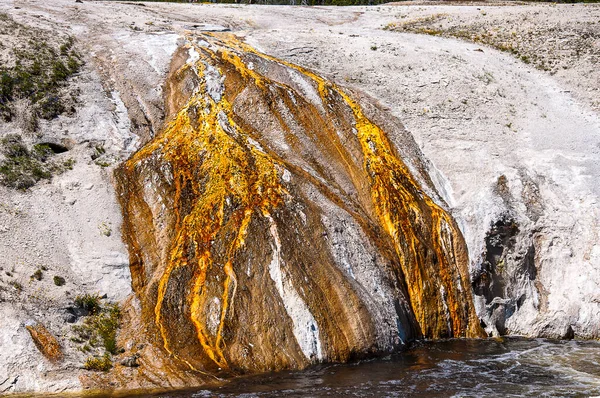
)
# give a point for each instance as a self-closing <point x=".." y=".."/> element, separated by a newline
<point x="506" y="140"/>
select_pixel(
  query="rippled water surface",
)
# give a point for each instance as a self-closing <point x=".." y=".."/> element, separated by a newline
<point x="461" y="368"/>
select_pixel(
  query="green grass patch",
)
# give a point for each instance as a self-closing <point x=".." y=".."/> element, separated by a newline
<point x="43" y="64"/>
<point x="98" y="332"/>
<point x="22" y="167"/>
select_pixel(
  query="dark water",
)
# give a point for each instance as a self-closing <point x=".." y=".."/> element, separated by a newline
<point x="460" y="368"/>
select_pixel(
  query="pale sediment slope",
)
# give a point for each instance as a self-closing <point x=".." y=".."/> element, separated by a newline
<point x="509" y="148"/>
<point x="68" y="228"/>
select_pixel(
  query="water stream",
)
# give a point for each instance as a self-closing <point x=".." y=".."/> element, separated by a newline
<point x="509" y="367"/>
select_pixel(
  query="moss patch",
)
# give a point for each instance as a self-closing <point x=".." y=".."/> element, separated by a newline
<point x="100" y="364"/>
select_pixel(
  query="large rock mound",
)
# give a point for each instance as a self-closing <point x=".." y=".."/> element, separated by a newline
<point x="272" y="224"/>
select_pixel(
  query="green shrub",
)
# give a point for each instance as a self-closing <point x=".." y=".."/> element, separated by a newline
<point x="58" y="280"/>
<point x="98" y="151"/>
<point x="51" y="107"/>
<point x="73" y="64"/>
<point x="68" y="164"/>
<point x="6" y="89"/>
<point x="18" y="287"/>
<point x="36" y="68"/>
<point x="59" y="72"/>
<point x="37" y="275"/>
<point x="106" y="325"/>
<point x="22" y="172"/>
<point x="103" y="163"/>
<point x="98" y="331"/>
<point x="89" y="302"/>
<point x="64" y="49"/>
<point x="13" y="146"/>
<point x="42" y="152"/>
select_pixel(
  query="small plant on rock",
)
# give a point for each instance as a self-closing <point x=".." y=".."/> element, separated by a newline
<point x="101" y="364"/>
<point x="18" y="287"/>
<point x="105" y="229"/>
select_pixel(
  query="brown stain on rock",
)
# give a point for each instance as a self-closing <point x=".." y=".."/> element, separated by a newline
<point x="228" y="218"/>
<point x="45" y="342"/>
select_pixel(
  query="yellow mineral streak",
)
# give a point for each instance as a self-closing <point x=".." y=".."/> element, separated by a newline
<point x="215" y="168"/>
<point x="399" y="202"/>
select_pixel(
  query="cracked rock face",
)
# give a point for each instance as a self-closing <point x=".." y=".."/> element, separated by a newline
<point x="272" y="224"/>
